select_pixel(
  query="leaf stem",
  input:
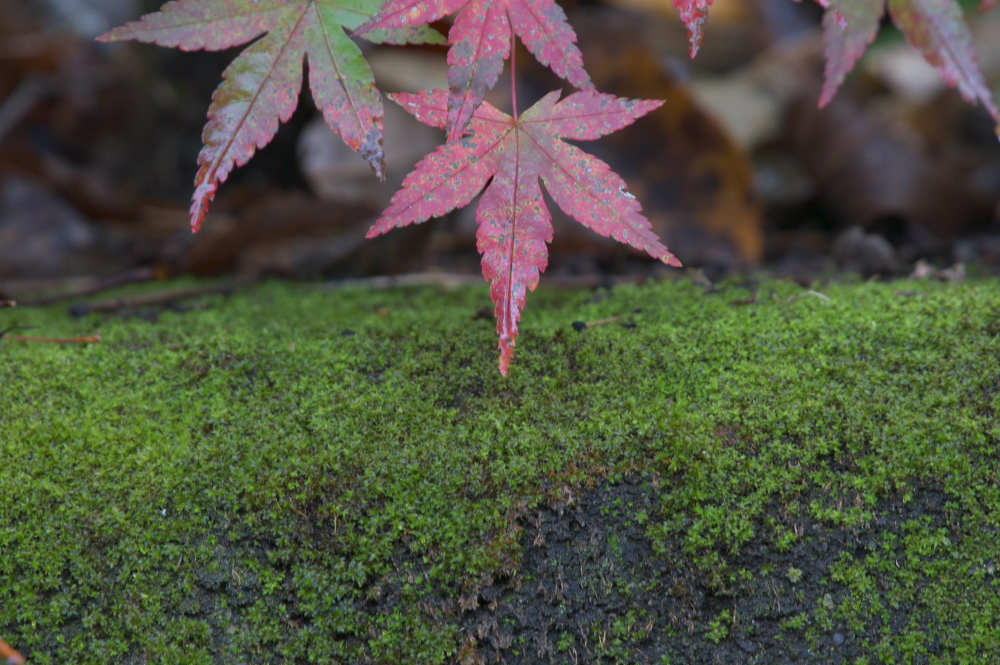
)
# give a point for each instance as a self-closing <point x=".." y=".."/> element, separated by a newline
<point x="513" y="71"/>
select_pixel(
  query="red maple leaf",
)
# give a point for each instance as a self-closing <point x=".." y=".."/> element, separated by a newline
<point x="481" y="41"/>
<point x="262" y="84"/>
<point x="512" y="154"/>
<point x="936" y="28"/>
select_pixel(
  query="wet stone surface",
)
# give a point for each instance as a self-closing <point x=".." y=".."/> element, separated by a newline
<point x="593" y="589"/>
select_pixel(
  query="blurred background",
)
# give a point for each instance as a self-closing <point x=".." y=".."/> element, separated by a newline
<point x="739" y="171"/>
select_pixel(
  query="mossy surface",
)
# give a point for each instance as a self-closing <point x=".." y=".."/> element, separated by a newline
<point x="296" y="474"/>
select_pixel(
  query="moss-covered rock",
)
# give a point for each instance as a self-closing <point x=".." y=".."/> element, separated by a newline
<point x="297" y="474"/>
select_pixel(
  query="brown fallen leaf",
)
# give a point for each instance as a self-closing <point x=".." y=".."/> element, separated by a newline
<point x="11" y="656"/>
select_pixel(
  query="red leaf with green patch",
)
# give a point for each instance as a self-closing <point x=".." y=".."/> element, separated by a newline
<point x="937" y="29"/>
<point x="849" y="26"/>
<point x="693" y="14"/>
<point x="261" y="86"/>
<point x="481" y="38"/>
<point x="508" y="157"/>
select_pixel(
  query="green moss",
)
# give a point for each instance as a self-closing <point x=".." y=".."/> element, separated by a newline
<point x="302" y="475"/>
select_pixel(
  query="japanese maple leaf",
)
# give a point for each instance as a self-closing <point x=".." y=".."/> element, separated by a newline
<point x="481" y="42"/>
<point x="934" y="27"/>
<point x="511" y="155"/>
<point x="693" y="14"/>
<point x="262" y="84"/>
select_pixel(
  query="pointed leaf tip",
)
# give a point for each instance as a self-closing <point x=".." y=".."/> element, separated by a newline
<point x="371" y="150"/>
<point x="694" y="37"/>
<point x="506" y="355"/>
<point x="693" y="14"/>
<point x="200" y="202"/>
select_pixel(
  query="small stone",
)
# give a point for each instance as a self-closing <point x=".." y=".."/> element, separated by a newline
<point x="867" y="253"/>
<point x="838" y="639"/>
<point x="747" y="645"/>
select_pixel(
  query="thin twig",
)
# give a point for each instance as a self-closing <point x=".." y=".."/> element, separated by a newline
<point x="87" y="339"/>
<point x="810" y="292"/>
<point x="602" y="322"/>
<point x="453" y="280"/>
<point x="160" y="298"/>
<point x="383" y="282"/>
<point x="131" y="277"/>
<point x="580" y="326"/>
<point x="754" y="299"/>
<point x="13" y="328"/>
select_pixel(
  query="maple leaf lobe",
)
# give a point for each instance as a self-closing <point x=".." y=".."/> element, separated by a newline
<point x="481" y="45"/>
<point x="849" y="27"/>
<point x="200" y="24"/>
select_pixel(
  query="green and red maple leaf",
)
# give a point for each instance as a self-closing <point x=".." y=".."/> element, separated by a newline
<point x="261" y="86"/>
<point x="487" y="151"/>
<point x="507" y="157"/>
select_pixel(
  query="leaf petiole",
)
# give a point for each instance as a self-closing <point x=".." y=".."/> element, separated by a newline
<point x="513" y="73"/>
